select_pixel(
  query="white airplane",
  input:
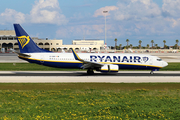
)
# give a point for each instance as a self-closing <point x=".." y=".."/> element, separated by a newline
<point x="103" y="62"/>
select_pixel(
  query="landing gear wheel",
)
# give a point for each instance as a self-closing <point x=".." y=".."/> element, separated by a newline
<point x="90" y="72"/>
<point x="151" y="72"/>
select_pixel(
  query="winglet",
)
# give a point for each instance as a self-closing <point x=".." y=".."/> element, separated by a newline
<point x="76" y="56"/>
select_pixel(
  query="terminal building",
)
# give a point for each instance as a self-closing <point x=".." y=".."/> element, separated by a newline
<point x="8" y="41"/>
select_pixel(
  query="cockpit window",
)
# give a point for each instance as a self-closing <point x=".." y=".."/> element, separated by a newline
<point x="159" y="59"/>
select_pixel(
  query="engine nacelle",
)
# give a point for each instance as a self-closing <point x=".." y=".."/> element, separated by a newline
<point x="109" y="68"/>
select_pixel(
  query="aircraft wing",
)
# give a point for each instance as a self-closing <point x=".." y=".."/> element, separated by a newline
<point x="87" y="64"/>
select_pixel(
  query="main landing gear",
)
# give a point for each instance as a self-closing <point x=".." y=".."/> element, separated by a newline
<point x="90" y="72"/>
<point x="152" y="72"/>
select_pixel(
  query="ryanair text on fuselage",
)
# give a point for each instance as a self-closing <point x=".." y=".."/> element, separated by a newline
<point x="136" y="59"/>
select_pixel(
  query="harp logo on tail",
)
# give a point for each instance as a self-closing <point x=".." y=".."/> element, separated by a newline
<point x="23" y="40"/>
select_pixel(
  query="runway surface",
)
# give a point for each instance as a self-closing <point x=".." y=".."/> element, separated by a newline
<point x="81" y="76"/>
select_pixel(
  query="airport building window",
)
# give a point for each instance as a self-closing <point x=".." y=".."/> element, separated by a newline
<point x="4" y="38"/>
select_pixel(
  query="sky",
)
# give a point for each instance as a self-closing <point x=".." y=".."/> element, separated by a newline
<point x="135" y="20"/>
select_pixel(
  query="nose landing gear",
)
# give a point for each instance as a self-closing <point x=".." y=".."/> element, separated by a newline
<point x="152" y="71"/>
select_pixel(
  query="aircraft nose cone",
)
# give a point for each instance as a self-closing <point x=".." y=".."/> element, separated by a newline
<point x="165" y="64"/>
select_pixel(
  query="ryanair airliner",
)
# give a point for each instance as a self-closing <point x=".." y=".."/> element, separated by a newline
<point x="103" y="62"/>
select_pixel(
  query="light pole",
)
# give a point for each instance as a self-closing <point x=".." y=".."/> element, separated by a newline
<point x="105" y="29"/>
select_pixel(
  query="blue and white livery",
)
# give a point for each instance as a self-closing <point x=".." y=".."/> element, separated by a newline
<point x="103" y="62"/>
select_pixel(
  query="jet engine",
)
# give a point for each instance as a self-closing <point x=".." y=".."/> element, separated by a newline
<point x="109" y="68"/>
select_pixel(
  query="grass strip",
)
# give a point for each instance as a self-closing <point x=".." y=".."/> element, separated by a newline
<point x="36" y="67"/>
<point x="89" y="102"/>
<point x="85" y="86"/>
<point x="171" y="67"/>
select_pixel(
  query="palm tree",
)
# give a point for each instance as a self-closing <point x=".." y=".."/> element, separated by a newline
<point x="177" y="41"/>
<point x="175" y="46"/>
<point x="152" y="41"/>
<point x="140" y="44"/>
<point x="164" y="41"/>
<point x="131" y="46"/>
<point x="148" y="46"/>
<point x="120" y="45"/>
<point x="156" y="45"/>
<point x="115" y="43"/>
<point x="127" y="40"/>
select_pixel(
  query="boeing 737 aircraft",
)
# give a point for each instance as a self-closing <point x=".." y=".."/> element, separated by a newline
<point x="103" y="62"/>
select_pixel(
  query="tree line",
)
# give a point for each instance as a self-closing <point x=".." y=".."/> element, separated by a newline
<point x="153" y="46"/>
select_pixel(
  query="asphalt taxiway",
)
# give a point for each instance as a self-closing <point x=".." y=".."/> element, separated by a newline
<point x="81" y="76"/>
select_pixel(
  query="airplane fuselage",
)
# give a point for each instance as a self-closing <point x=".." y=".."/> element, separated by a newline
<point x="124" y="61"/>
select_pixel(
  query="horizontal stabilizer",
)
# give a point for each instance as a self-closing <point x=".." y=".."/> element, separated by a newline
<point x="20" y="54"/>
<point x="23" y="55"/>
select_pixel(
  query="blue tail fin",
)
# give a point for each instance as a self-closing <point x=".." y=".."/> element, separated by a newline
<point x="26" y="44"/>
